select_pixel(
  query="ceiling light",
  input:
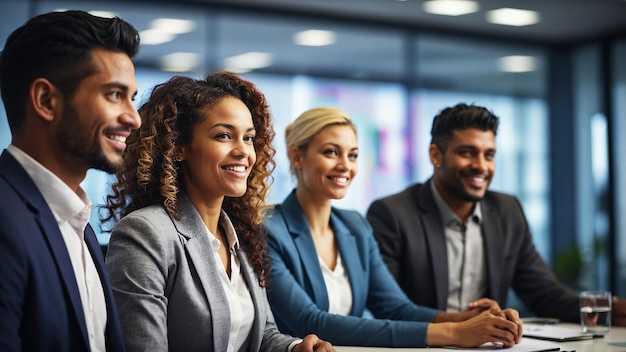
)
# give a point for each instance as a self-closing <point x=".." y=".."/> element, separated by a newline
<point x="513" y="17"/>
<point x="105" y="14"/>
<point x="517" y="63"/>
<point x="155" y="37"/>
<point x="314" y="37"/>
<point x="248" y="61"/>
<point x="173" y="25"/>
<point x="180" y="62"/>
<point x="450" y="7"/>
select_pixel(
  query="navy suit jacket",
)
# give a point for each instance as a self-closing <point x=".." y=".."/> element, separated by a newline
<point x="40" y="306"/>
<point x="410" y="233"/>
<point x="298" y="295"/>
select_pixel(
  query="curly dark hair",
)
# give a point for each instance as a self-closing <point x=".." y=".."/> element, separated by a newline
<point x="150" y="174"/>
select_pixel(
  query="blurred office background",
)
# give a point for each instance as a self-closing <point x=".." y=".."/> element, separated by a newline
<point x="554" y="71"/>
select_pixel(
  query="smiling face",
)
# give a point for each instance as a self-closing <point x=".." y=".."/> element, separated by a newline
<point x="220" y="156"/>
<point x="329" y="164"/>
<point x="465" y="169"/>
<point x="99" y="116"/>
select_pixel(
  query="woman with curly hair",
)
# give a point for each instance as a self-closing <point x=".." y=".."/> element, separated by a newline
<point x="187" y="260"/>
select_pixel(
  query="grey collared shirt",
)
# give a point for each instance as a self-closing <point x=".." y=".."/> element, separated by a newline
<point x="465" y="250"/>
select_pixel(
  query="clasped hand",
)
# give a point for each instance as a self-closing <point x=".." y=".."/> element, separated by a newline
<point x="483" y="321"/>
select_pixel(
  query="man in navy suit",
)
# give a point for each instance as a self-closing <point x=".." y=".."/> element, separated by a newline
<point x="68" y="84"/>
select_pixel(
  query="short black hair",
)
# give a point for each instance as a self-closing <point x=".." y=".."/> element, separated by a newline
<point x="57" y="46"/>
<point x="461" y="117"/>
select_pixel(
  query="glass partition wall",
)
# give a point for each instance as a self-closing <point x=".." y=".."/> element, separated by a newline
<point x="392" y="80"/>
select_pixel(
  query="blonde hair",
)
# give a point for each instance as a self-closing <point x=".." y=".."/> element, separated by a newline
<point x="305" y="127"/>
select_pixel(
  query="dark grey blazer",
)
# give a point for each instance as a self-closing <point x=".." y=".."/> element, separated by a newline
<point x="168" y="291"/>
<point x="409" y="231"/>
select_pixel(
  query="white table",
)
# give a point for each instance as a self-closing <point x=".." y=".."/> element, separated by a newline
<point x="617" y="334"/>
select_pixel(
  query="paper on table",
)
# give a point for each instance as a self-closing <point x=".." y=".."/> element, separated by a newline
<point x="526" y="345"/>
<point x="555" y="333"/>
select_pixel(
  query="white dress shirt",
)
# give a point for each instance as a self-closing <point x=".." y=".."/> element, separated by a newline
<point x="71" y="211"/>
<point x="237" y="293"/>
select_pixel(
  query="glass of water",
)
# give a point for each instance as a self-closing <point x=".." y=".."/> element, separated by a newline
<point x="595" y="311"/>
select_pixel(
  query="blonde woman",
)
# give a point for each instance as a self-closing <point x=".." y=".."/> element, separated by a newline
<point x="326" y="267"/>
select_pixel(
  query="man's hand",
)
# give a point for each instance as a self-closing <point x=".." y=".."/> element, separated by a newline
<point x="487" y="304"/>
<point x="312" y="343"/>
<point x="484" y="304"/>
<point x="483" y="328"/>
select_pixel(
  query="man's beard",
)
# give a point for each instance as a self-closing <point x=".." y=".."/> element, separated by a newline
<point x="459" y="190"/>
<point x="78" y="141"/>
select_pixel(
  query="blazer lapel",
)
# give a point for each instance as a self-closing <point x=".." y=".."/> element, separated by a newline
<point x="298" y="228"/>
<point x="350" y="257"/>
<point x="113" y="333"/>
<point x="198" y="247"/>
<point x="493" y="249"/>
<point x="22" y="183"/>
<point x="434" y="233"/>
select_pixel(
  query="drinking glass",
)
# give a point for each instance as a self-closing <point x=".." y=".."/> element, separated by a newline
<point x="595" y="311"/>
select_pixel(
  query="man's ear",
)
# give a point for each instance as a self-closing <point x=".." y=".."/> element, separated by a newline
<point x="45" y="99"/>
<point x="435" y="155"/>
<point x="295" y="157"/>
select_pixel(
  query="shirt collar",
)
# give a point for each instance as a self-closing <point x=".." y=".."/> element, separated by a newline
<point x="229" y="231"/>
<point x="66" y="205"/>
<point x="448" y="216"/>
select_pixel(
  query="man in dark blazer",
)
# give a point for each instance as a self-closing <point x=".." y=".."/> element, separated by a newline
<point x="450" y="241"/>
<point x="67" y="83"/>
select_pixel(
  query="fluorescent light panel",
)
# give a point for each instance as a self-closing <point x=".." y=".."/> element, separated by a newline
<point x="163" y="30"/>
<point x="314" y="37"/>
<point x="517" y="63"/>
<point x="180" y="62"/>
<point x="105" y="14"/>
<point x="155" y="37"/>
<point x="513" y="17"/>
<point x="173" y="25"/>
<point x="248" y="61"/>
<point x="450" y="7"/>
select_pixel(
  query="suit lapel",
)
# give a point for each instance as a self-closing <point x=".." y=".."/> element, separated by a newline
<point x="298" y="228"/>
<point x="350" y="256"/>
<point x="436" y="241"/>
<point x="200" y="253"/>
<point x="493" y="248"/>
<point x="113" y="335"/>
<point x="23" y="184"/>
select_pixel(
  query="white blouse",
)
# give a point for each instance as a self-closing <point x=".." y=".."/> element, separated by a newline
<point x="239" y="298"/>
<point x="338" y="288"/>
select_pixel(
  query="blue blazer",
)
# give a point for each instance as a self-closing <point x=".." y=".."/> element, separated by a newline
<point x="40" y="306"/>
<point x="298" y="295"/>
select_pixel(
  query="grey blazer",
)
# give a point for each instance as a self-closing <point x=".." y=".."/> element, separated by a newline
<point x="410" y="233"/>
<point x="168" y="291"/>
